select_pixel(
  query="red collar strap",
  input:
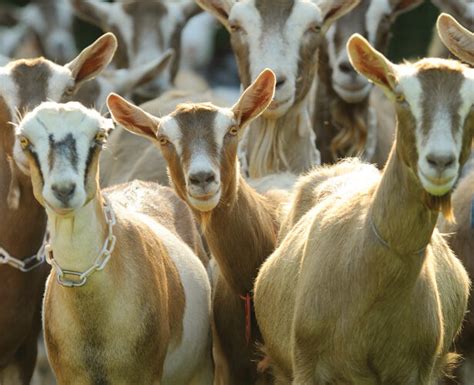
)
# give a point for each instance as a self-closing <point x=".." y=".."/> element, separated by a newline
<point x="248" y="316"/>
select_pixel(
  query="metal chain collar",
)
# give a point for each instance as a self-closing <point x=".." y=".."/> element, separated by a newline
<point x="100" y="262"/>
<point x="24" y="265"/>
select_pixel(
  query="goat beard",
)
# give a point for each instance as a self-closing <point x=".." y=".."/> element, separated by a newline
<point x="441" y="204"/>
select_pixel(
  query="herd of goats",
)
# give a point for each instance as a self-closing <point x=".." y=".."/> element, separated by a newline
<point x="316" y="228"/>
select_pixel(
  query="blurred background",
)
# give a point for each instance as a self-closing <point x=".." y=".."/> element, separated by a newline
<point x="412" y="33"/>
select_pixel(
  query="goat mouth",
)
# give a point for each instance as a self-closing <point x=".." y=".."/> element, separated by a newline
<point x="204" y="197"/>
<point x="436" y="186"/>
<point x="62" y="211"/>
<point x="352" y="94"/>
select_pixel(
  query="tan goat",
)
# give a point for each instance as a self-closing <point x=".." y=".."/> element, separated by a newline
<point x="363" y="289"/>
<point x="461" y="232"/>
<point x="128" y="300"/>
<point x="199" y="143"/>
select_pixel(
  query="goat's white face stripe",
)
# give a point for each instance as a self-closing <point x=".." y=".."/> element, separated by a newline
<point x="170" y="128"/>
<point x="377" y="10"/>
<point x="8" y="89"/>
<point x="61" y="79"/>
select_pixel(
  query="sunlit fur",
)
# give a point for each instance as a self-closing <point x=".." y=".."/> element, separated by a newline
<point x="153" y="289"/>
<point x="371" y="278"/>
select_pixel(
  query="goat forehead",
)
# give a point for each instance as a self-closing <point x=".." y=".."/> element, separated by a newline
<point x="66" y="126"/>
<point x="436" y="98"/>
<point x="274" y="11"/>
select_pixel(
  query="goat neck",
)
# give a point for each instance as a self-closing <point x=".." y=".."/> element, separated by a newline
<point x="241" y="233"/>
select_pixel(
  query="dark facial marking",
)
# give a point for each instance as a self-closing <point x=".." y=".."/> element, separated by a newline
<point x="440" y="88"/>
<point x="197" y="130"/>
<point x="273" y="11"/>
<point x="65" y="148"/>
<point x="32" y="77"/>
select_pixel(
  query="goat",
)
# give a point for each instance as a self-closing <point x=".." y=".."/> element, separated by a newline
<point x="199" y="143"/>
<point x="24" y="84"/>
<point x="283" y="35"/>
<point x="45" y="26"/>
<point x="462" y="10"/>
<point x="363" y="289"/>
<point x="348" y="117"/>
<point x="145" y="30"/>
<point x="127" y="299"/>
<point x="461" y="233"/>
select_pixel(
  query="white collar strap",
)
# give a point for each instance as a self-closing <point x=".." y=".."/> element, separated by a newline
<point x="98" y="265"/>
<point x="24" y="265"/>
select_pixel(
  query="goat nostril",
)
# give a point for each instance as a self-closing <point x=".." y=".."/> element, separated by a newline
<point x="346" y="67"/>
<point x="202" y="178"/>
<point x="280" y="81"/>
<point x="211" y="179"/>
<point x="440" y="161"/>
<point x="64" y="192"/>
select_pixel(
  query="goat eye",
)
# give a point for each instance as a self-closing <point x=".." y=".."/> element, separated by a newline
<point x="101" y="137"/>
<point x="235" y="27"/>
<point x="400" y="98"/>
<point x="234" y="130"/>
<point x="314" y="28"/>
<point x="69" y="90"/>
<point x="163" y="140"/>
<point x="24" y="143"/>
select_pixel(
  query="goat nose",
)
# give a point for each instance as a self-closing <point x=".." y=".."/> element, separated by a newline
<point x="346" y="68"/>
<point x="64" y="192"/>
<point x="440" y="162"/>
<point x="202" y="178"/>
<point x="280" y="82"/>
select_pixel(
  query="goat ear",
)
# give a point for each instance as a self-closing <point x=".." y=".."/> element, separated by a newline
<point x="333" y="10"/>
<point x="401" y="6"/>
<point x="255" y="99"/>
<point x="219" y="8"/>
<point x="131" y="78"/>
<point x="94" y="12"/>
<point x="458" y="39"/>
<point x="371" y="63"/>
<point x="93" y="59"/>
<point x="131" y="117"/>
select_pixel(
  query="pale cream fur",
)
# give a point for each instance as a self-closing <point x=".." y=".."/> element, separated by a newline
<point x="336" y="304"/>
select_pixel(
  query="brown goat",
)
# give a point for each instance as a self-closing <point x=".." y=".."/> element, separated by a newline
<point x="199" y="143"/>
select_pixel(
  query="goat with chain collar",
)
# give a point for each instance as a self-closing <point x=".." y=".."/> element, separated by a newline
<point x="128" y="300"/>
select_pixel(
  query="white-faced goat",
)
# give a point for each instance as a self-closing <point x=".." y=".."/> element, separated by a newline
<point x="284" y="36"/>
<point x="127" y="300"/>
<point x="363" y="288"/>
<point x="24" y="84"/>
